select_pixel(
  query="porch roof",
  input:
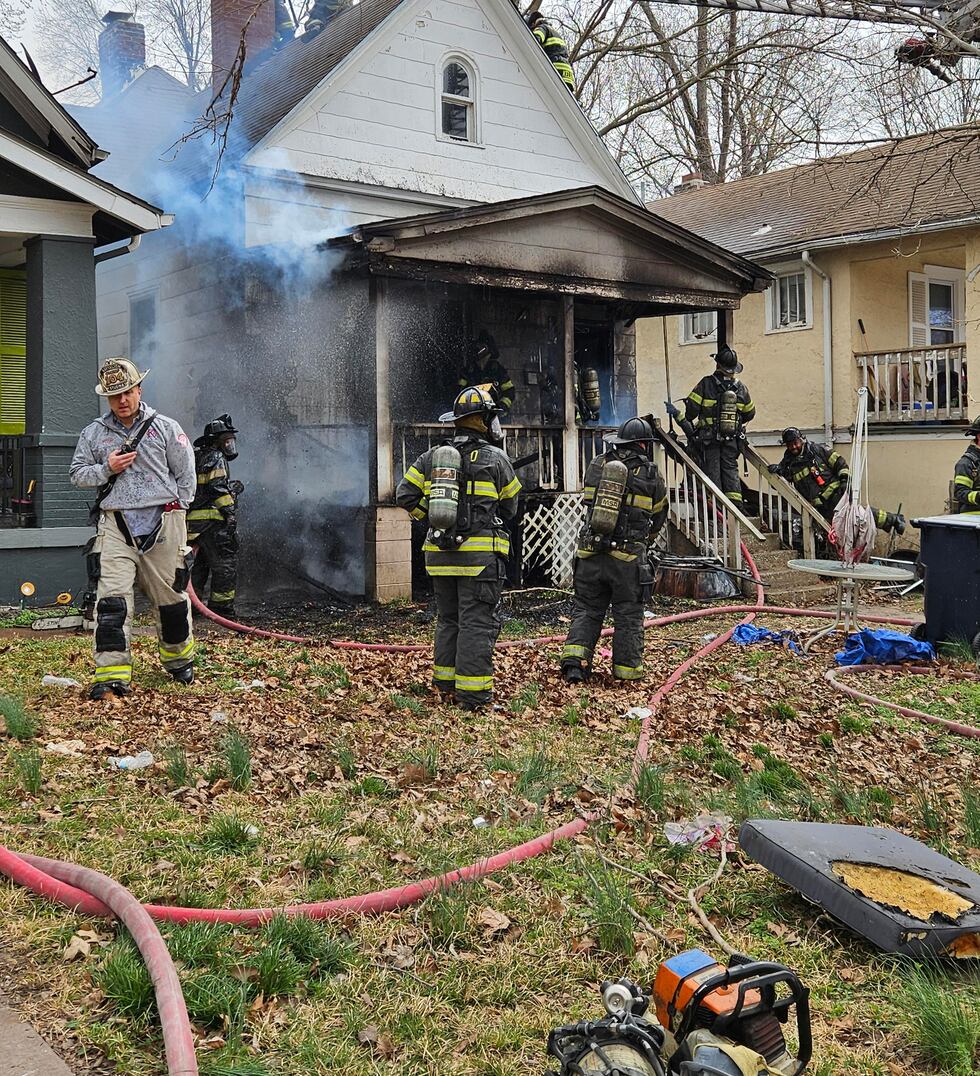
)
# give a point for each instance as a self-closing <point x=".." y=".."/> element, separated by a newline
<point x="585" y="242"/>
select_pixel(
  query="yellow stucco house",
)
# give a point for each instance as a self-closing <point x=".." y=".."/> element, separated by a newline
<point x="876" y="256"/>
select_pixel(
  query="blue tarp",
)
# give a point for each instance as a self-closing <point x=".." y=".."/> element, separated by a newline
<point x="879" y="646"/>
<point x="747" y="634"/>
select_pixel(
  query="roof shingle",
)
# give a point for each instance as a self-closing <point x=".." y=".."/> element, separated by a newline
<point x="899" y="186"/>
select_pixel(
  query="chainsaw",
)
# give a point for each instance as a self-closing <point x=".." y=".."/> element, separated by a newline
<point x="710" y="1020"/>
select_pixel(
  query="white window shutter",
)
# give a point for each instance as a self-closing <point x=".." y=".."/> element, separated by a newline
<point x="918" y="310"/>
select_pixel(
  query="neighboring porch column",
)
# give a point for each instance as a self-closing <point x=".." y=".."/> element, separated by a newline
<point x="62" y="370"/>
<point x="570" y="437"/>
<point x="389" y="551"/>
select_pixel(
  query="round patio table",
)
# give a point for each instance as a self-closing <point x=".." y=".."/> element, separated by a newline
<point x="848" y="578"/>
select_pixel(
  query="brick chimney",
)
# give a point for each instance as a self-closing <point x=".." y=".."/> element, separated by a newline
<point x="122" y="51"/>
<point x="228" y="18"/>
<point x="690" y="182"/>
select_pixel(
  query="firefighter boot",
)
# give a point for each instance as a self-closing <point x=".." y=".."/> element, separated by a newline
<point x="183" y="675"/>
<point x="102" y="688"/>
<point x="573" y="674"/>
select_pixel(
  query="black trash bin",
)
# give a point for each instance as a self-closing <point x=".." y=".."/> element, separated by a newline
<point x="950" y="559"/>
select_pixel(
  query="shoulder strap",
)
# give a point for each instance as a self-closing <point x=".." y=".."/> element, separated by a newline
<point x="111" y="480"/>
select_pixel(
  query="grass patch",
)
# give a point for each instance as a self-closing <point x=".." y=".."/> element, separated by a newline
<point x="178" y="768"/>
<point x="198" y="945"/>
<point x="346" y="762"/>
<point x="27" y="766"/>
<point x="375" y="786"/>
<point x="958" y="650"/>
<point x="537" y="775"/>
<point x="447" y="913"/>
<point x="944" y="1026"/>
<point x="971" y="815"/>
<point x="21" y="724"/>
<point x="311" y="942"/>
<point x="426" y="760"/>
<point x="610" y="914"/>
<point x="651" y="787"/>
<point x="334" y="675"/>
<point x="238" y="758"/>
<point x="320" y="857"/>
<point x="783" y="711"/>
<point x="229" y="833"/>
<point x="214" y="998"/>
<point x="276" y="969"/>
<point x="123" y="978"/>
<point x="853" y="723"/>
<point x="526" y="699"/>
<point x="405" y="702"/>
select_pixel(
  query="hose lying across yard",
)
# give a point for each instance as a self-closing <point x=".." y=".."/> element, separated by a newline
<point x="91" y="893"/>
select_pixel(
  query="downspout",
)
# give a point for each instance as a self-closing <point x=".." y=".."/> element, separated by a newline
<point x="828" y="355"/>
<point x="117" y="252"/>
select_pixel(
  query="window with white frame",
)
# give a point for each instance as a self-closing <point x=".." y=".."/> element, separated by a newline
<point x="458" y="101"/>
<point x="936" y="302"/>
<point x="790" y="300"/>
<point x="700" y="327"/>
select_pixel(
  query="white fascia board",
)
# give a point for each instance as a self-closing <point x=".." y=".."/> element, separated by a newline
<point x="276" y="177"/>
<point x="99" y="195"/>
<point x="507" y="21"/>
<point x="44" y="216"/>
<point x="73" y="135"/>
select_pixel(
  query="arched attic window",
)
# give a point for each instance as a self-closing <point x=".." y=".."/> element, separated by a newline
<point x="458" y="101"/>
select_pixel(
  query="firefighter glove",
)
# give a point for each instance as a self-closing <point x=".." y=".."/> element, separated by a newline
<point x="673" y="411"/>
<point x="773" y="468"/>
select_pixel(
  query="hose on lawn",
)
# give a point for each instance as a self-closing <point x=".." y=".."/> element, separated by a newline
<point x="91" y="893"/>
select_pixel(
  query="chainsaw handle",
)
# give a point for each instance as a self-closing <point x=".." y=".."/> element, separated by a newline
<point x="761" y="975"/>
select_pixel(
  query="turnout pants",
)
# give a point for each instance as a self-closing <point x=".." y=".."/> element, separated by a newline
<point x="600" y="581"/>
<point x="162" y="575"/>
<point x="720" y="464"/>
<point x="217" y="558"/>
<point x="469" y="621"/>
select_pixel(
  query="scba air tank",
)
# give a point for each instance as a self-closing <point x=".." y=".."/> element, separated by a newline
<point x="608" y="500"/>
<point x="447" y="465"/>
<point x="728" y="415"/>
<point x="591" y="396"/>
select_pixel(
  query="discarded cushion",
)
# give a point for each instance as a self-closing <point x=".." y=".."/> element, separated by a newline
<point x="747" y="634"/>
<point x="880" y="646"/>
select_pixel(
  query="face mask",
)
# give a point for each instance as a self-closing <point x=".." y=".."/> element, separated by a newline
<point x="229" y="449"/>
<point x="495" y="431"/>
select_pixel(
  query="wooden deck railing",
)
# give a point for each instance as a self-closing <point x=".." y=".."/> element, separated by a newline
<point x="915" y="384"/>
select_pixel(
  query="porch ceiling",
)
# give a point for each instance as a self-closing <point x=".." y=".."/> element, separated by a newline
<point x="584" y="242"/>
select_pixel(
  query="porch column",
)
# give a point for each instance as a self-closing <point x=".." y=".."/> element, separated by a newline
<point x="389" y="552"/>
<point x="725" y="319"/>
<point x="382" y="374"/>
<point x="570" y="437"/>
<point x="62" y="369"/>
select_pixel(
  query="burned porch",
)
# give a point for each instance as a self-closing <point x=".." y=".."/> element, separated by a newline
<point x="556" y="282"/>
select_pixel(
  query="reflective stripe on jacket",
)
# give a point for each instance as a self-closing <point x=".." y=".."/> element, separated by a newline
<point x="702" y="403"/>
<point x="966" y="481"/>
<point x="819" y="474"/>
<point x="214" y="499"/>
<point x="489" y="501"/>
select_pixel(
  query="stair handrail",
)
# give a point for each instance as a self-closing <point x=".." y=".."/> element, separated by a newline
<point x="789" y="493"/>
<point x="722" y="502"/>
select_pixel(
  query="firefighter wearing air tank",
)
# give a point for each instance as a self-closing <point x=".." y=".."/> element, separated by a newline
<point x="212" y="521"/>
<point x="718" y="407"/>
<point x="466" y="491"/>
<point x="820" y="475"/>
<point x="627" y="503"/>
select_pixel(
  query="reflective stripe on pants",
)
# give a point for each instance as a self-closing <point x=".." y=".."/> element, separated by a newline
<point x="469" y="621"/>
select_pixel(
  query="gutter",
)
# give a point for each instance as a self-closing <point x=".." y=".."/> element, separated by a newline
<point x="117" y="252"/>
<point x="828" y="355"/>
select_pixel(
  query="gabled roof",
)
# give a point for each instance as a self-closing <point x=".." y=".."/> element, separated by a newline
<point x="920" y="183"/>
<point x="646" y="258"/>
<point x="285" y="77"/>
<point x="279" y="85"/>
<point x="42" y="112"/>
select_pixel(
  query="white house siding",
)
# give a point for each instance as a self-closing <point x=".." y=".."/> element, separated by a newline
<point x="378" y="125"/>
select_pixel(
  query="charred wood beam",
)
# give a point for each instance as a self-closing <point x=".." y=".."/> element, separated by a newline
<point x="676" y="300"/>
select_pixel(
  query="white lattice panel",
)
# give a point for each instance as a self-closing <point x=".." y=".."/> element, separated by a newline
<point x="550" y="537"/>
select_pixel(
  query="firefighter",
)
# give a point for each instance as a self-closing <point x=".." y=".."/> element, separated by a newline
<point x="966" y="482"/>
<point x="285" y="25"/>
<point x="627" y="502"/>
<point x="555" y="47"/>
<point x="465" y="490"/>
<point x="321" y="12"/>
<point x="718" y="408"/>
<point x="820" y="475"/>
<point x="212" y="522"/>
<point x="143" y="466"/>
<point x="483" y="367"/>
